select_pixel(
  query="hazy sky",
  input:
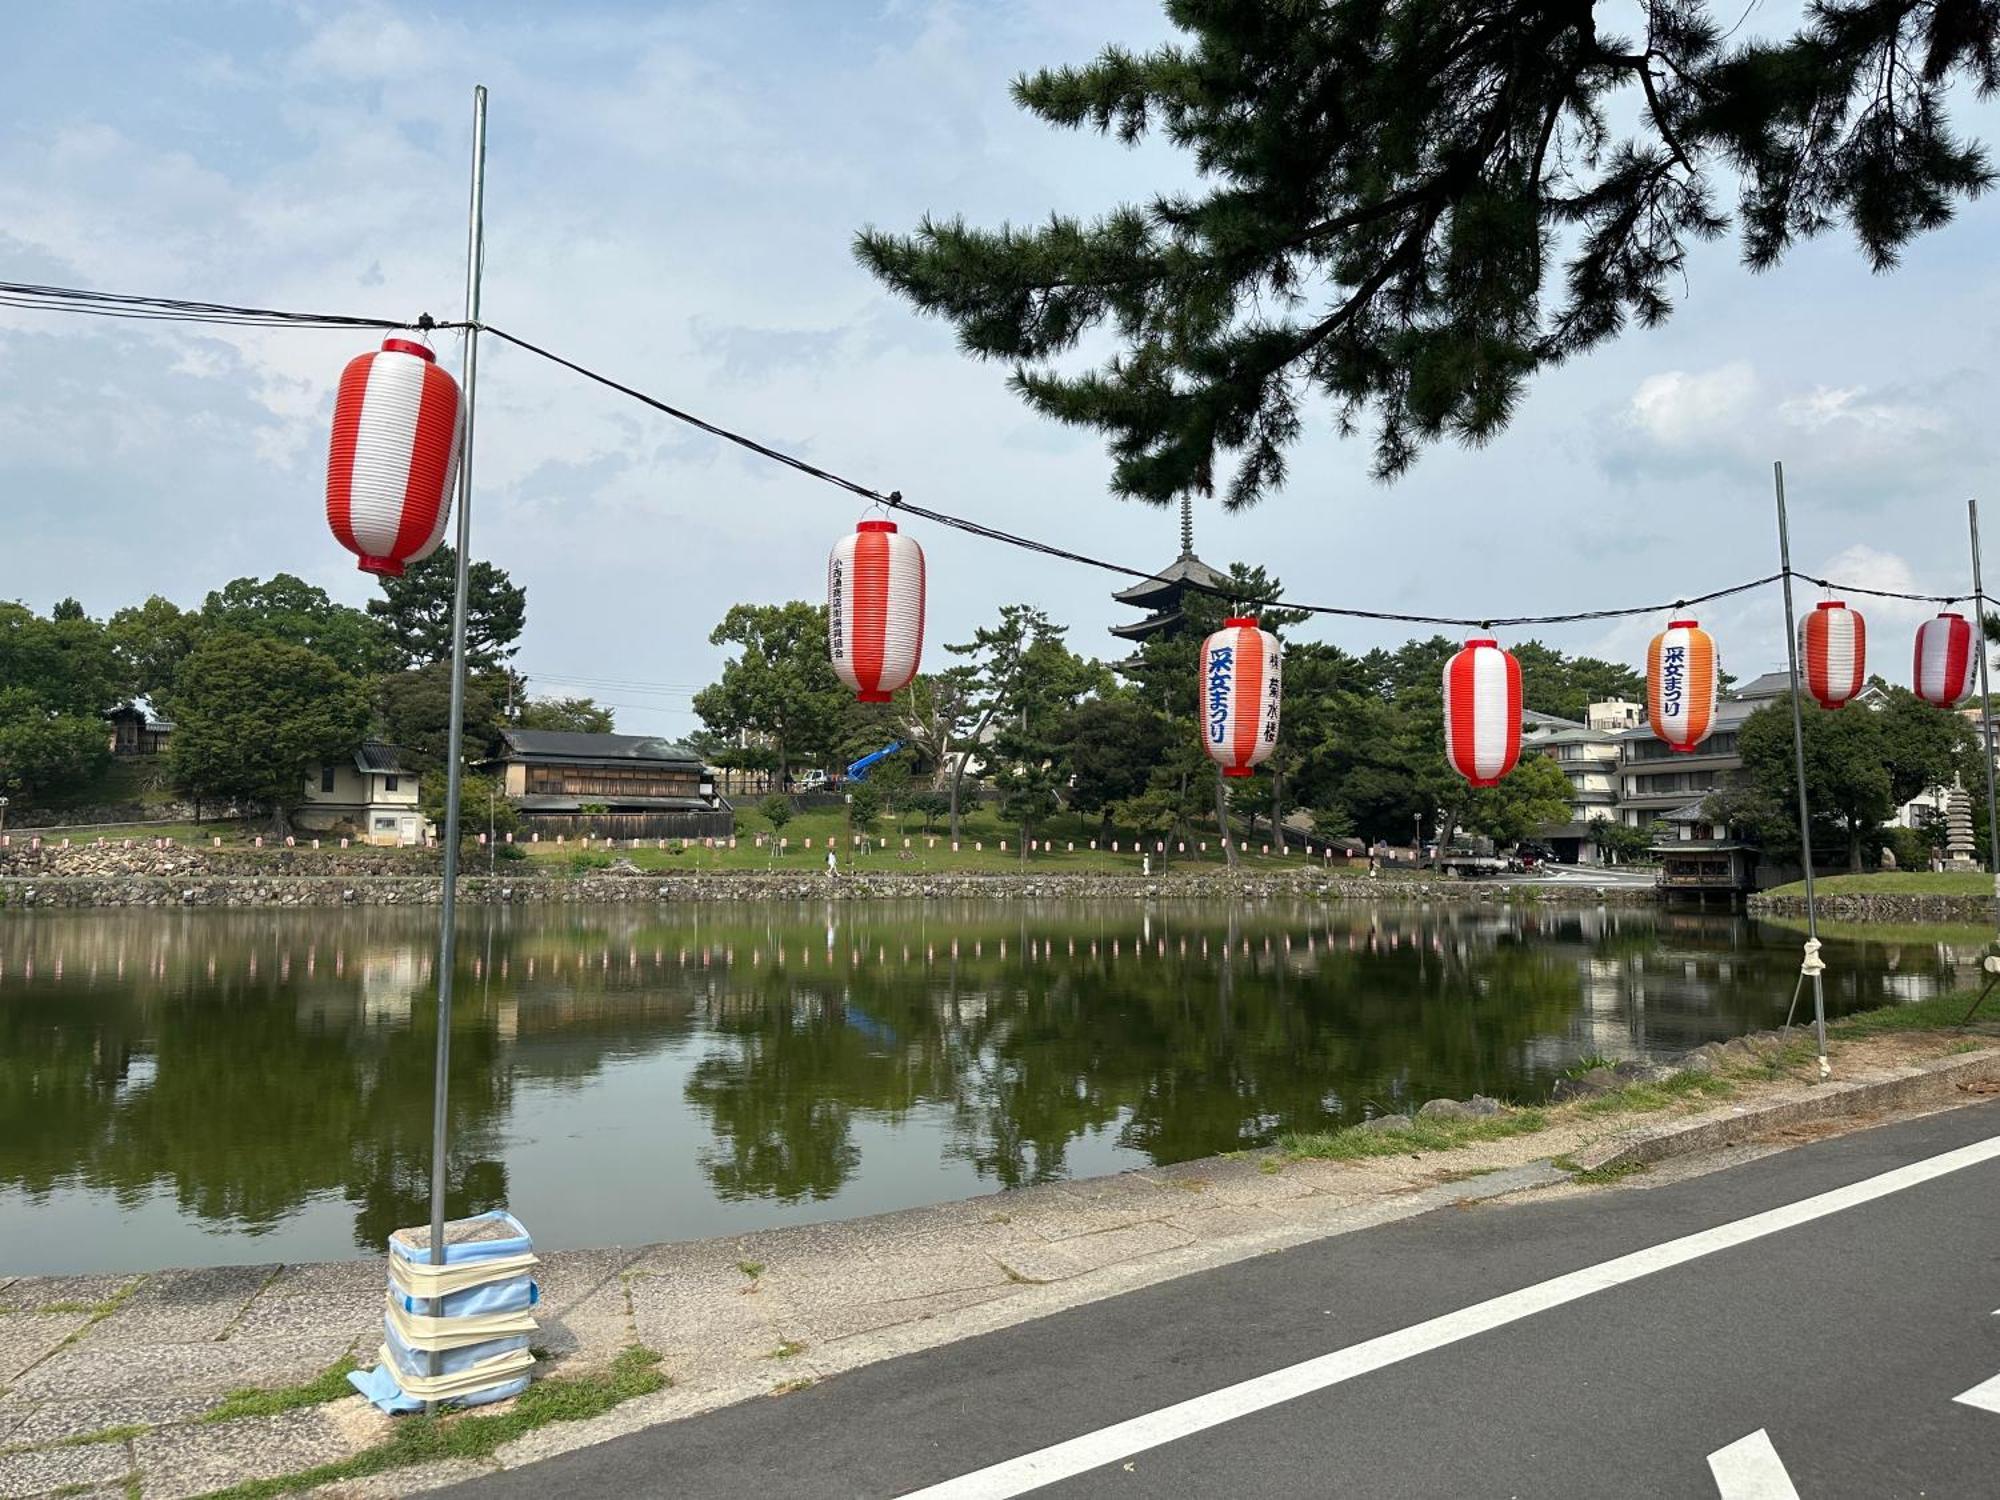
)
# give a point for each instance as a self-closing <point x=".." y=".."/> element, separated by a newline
<point x="672" y="191"/>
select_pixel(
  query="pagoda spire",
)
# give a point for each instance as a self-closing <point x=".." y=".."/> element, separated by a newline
<point x="1187" y="526"/>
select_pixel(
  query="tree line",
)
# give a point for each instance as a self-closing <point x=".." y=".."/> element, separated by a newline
<point x="265" y="679"/>
<point x="1050" y="729"/>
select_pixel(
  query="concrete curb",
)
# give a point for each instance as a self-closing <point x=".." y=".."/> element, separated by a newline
<point x="1932" y="1083"/>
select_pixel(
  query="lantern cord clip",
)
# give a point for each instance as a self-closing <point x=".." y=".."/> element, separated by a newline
<point x="425" y="322"/>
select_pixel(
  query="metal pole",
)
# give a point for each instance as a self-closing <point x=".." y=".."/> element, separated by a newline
<point x="1799" y="762"/>
<point x="475" y="256"/>
<point x="1985" y="704"/>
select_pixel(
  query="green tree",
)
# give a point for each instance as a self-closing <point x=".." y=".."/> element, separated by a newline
<point x="780" y="684"/>
<point x="151" y="640"/>
<point x="1388" y="190"/>
<point x="255" y="715"/>
<point x="777" y="811"/>
<point x="1110" y="747"/>
<point x="574" y="715"/>
<point x="1619" y="841"/>
<point x="482" y="805"/>
<point x="1923" y="748"/>
<point x="67" y="609"/>
<point x="415" y="612"/>
<point x="58" y="676"/>
<point x="288" y="609"/>
<point x="864" y="806"/>
<point x="999" y="664"/>
<point x="1848" y="784"/>
<point x="413" y="710"/>
<point x="1534" y="793"/>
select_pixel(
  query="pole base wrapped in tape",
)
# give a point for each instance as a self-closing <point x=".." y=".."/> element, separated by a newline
<point x="458" y="1331"/>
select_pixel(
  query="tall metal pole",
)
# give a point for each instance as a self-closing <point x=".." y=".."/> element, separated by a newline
<point x="1812" y="965"/>
<point x="475" y="256"/>
<point x="1985" y="704"/>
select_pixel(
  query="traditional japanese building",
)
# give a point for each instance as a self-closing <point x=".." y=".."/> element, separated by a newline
<point x="1161" y="594"/>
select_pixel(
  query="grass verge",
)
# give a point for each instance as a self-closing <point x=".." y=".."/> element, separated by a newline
<point x="258" y="1401"/>
<point x="1353" y="1142"/>
<point x="471" y="1435"/>
<point x="1597" y="1176"/>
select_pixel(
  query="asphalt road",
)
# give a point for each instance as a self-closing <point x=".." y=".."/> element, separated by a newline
<point x="1843" y="1339"/>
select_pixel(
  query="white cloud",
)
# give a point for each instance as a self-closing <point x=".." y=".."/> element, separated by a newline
<point x="1860" y="445"/>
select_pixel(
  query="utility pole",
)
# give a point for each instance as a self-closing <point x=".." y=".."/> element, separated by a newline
<point x="475" y="258"/>
<point x="1812" y="964"/>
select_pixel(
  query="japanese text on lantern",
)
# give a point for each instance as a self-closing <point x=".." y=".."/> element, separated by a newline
<point x="1673" y="678"/>
<point x="1219" y="662"/>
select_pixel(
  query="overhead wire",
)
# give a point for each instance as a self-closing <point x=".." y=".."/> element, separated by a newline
<point x="172" y="309"/>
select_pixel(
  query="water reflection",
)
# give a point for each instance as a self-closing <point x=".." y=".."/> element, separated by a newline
<point x="192" y="1086"/>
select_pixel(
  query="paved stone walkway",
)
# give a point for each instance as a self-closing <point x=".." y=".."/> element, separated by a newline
<point x="105" y="1380"/>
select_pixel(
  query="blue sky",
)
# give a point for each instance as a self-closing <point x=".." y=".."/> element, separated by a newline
<point x="672" y="192"/>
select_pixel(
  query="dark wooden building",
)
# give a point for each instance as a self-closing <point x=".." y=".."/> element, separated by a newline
<point x="136" y="730"/>
<point x="623" y="785"/>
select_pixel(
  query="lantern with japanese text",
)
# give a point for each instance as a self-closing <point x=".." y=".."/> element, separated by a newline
<point x="1681" y="673"/>
<point x="1946" y="660"/>
<point x="1833" y="639"/>
<point x="875" y="609"/>
<point x="389" y="471"/>
<point x="1241" y="676"/>
<point x="1482" y="711"/>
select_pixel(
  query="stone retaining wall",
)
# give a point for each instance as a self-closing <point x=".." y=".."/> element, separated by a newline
<point x="208" y="889"/>
<point x="1880" y="907"/>
<point x="91" y="860"/>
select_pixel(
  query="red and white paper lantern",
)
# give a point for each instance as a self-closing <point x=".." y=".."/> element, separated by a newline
<point x="1681" y="673"/>
<point x="1242" y="675"/>
<point x="389" y="471"/>
<point x="875" y="609"/>
<point x="1946" y="660"/>
<point x="1482" y="711"/>
<point x="1833" y="639"/>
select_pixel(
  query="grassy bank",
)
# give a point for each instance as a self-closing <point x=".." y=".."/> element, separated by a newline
<point x="1065" y="842"/>
<point x="1939" y="1025"/>
<point x="1895" y="883"/>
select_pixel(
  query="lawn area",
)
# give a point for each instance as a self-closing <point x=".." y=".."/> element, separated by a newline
<point x="927" y="853"/>
<point x="1896" y="883"/>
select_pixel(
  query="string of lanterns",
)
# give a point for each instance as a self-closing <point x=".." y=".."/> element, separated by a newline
<point x="393" y="457"/>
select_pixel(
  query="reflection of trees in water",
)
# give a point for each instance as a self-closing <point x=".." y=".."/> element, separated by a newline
<point x="251" y="1061"/>
<point x="262" y="1088"/>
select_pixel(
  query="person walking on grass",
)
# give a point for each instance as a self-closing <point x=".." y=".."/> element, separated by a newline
<point x="832" y="864"/>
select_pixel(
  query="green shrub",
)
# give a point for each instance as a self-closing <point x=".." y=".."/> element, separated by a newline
<point x="776" y="810"/>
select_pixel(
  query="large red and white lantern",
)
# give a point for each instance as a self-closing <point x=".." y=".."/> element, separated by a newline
<point x="1242" y="674"/>
<point x="1833" y="639"/>
<point x="394" y="455"/>
<point x="875" y="609"/>
<point x="1946" y="660"/>
<point x="1482" y="711"/>
<point x="1681" y="673"/>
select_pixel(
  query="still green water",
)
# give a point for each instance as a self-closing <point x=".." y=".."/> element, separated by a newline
<point x="181" y="1088"/>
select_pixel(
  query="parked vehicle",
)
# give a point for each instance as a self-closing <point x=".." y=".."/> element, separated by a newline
<point x="814" y="780"/>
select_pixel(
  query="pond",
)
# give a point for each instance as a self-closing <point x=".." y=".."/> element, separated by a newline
<point x="205" y="1087"/>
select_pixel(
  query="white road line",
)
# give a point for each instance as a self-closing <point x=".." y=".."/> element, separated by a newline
<point x="1030" y="1471"/>
<point x="1750" y="1469"/>
<point x="1985" y="1395"/>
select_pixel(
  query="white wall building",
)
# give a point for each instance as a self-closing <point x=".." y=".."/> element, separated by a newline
<point x="372" y="793"/>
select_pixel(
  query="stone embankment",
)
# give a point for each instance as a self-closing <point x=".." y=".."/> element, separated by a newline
<point x="109" y="875"/>
<point x="1880" y="906"/>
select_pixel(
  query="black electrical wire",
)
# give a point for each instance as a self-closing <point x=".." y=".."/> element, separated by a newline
<point x="174" y="309"/>
<point x="183" y="310"/>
